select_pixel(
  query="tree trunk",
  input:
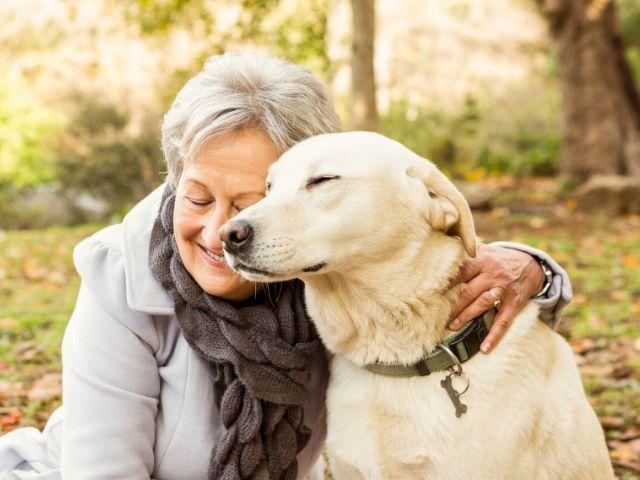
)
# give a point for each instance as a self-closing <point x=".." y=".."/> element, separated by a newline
<point x="601" y="105"/>
<point x="364" y="112"/>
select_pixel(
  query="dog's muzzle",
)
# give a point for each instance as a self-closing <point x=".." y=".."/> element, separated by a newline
<point x="237" y="236"/>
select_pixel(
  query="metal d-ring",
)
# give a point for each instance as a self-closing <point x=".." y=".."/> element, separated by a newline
<point x="453" y="357"/>
<point x="456" y="363"/>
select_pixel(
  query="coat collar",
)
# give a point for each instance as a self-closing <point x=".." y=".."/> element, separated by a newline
<point x="144" y="293"/>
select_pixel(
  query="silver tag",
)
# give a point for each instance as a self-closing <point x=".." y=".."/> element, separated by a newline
<point x="454" y="395"/>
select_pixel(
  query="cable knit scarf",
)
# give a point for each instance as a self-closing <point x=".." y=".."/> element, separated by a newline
<point x="259" y="352"/>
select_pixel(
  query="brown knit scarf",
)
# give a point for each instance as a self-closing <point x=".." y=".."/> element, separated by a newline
<point x="259" y="352"/>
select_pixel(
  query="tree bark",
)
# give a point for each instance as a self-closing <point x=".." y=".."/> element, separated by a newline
<point x="600" y="101"/>
<point x="364" y="111"/>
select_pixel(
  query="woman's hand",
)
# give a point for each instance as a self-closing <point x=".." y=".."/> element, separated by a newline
<point x="496" y="274"/>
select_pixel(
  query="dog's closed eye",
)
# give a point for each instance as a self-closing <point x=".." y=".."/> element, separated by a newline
<point x="315" y="181"/>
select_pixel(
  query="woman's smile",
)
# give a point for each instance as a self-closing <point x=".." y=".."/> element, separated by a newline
<point x="215" y="259"/>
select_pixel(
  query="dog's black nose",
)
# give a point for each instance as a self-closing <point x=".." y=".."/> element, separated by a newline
<point x="236" y="235"/>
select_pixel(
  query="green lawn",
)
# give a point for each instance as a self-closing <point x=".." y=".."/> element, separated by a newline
<point x="38" y="285"/>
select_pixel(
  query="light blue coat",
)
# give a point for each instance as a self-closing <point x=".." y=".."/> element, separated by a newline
<point x="138" y="401"/>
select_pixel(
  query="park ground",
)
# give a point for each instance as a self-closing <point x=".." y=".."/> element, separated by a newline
<point x="601" y="253"/>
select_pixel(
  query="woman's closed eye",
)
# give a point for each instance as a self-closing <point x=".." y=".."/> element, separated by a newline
<point x="199" y="202"/>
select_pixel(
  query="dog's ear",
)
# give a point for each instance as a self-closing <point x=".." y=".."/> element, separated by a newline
<point x="448" y="210"/>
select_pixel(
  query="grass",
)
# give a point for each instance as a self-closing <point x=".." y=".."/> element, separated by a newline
<point x="602" y="256"/>
<point x="38" y="285"/>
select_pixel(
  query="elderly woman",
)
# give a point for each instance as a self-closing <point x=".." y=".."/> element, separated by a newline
<point x="174" y="367"/>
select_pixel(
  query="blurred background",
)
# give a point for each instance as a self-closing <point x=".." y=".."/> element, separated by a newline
<point x="532" y="106"/>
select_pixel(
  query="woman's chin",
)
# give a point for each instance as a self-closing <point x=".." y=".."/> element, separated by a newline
<point x="233" y="293"/>
<point x="224" y="283"/>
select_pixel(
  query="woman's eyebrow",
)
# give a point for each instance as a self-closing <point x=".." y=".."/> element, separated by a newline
<point x="238" y="194"/>
<point x="250" y="192"/>
<point x="197" y="182"/>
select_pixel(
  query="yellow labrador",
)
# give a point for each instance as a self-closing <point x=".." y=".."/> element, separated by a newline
<point x="376" y="232"/>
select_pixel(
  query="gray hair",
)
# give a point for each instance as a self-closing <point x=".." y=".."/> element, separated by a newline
<point x="235" y="91"/>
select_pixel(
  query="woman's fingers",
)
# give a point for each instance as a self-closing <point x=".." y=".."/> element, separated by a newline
<point x="503" y="320"/>
<point x="469" y="270"/>
<point x="477" y="301"/>
<point x="496" y="273"/>
<point x="472" y="290"/>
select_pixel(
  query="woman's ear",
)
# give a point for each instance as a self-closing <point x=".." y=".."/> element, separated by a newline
<point x="448" y="210"/>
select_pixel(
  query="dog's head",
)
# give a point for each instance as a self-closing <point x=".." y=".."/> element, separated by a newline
<point x="335" y="201"/>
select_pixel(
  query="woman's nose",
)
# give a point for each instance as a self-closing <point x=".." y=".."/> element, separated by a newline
<point x="211" y="230"/>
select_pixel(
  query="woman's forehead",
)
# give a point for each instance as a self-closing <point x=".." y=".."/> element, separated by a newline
<point x="239" y="160"/>
<point x="248" y="148"/>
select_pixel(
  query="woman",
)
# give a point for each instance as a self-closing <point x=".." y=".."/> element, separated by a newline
<point x="173" y="366"/>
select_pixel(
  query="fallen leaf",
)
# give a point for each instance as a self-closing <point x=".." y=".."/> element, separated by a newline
<point x="580" y="299"/>
<point x="571" y="205"/>
<point x="46" y="387"/>
<point x="500" y="212"/>
<point x="595" y="321"/>
<point x="618" y="295"/>
<point x="611" y="423"/>
<point x="11" y="418"/>
<point x="633" y="446"/>
<point x="31" y="271"/>
<point x="621" y="371"/>
<point x="57" y="277"/>
<point x="537" y="222"/>
<point x="631" y="432"/>
<point x="11" y="389"/>
<point x="9" y="323"/>
<point x="581" y="345"/>
<point x="596" y="370"/>
<point x="29" y="352"/>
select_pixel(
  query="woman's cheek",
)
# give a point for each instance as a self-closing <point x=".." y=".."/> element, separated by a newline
<point x="185" y="231"/>
<point x="185" y="224"/>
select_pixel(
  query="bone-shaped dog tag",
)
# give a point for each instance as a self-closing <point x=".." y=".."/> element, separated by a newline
<point x="454" y="395"/>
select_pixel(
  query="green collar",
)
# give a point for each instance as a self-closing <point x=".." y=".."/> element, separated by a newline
<point x="464" y="344"/>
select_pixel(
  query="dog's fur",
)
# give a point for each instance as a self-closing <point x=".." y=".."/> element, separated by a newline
<point x="376" y="249"/>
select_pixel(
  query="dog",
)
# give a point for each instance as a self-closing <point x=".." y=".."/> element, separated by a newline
<point x="376" y="233"/>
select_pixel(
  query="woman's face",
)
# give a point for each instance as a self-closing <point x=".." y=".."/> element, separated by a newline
<point x="226" y="175"/>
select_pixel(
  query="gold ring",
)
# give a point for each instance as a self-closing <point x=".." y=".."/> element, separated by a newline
<point x="496" y="300"/>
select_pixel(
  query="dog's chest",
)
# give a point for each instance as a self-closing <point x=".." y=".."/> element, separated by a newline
<point x="389" y="428"/>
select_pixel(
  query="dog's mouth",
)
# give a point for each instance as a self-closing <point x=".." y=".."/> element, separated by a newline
<point x="244" y="268"/>
<point x="259" y="274"/>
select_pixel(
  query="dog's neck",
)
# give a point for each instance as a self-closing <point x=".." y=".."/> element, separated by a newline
<point x="393" y="311"/>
